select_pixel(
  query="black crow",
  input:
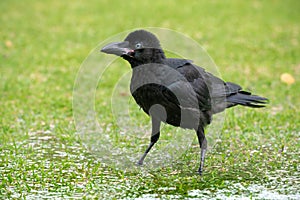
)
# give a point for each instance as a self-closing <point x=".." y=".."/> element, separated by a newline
<point x="176" y="91"/>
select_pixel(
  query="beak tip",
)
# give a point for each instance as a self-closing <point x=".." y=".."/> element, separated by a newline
<point x="103" y="49"/>
<point x="116" y="48"/>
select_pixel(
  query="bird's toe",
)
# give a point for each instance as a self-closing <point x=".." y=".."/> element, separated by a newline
<point x="139" y="163"/>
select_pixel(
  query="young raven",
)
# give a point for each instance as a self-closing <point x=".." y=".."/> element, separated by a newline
<point x="176" y="91"/>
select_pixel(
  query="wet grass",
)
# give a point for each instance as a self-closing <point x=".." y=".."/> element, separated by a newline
<point x="42" y="46"/>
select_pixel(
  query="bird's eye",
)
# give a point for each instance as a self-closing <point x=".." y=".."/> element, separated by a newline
<point x="138" y="45"/>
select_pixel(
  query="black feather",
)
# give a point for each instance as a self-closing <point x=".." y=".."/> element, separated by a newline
<point x="247" y="100"/>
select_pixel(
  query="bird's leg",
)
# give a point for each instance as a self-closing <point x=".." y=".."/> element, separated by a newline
<point x="203" y="147"/>
<point x="154" y="138"/>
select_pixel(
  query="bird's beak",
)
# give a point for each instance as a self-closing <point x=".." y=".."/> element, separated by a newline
<point x="118" y="48"/>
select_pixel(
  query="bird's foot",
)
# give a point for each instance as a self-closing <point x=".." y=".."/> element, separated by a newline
<point x="200" y="171"/>
<point x="139" y="163"/>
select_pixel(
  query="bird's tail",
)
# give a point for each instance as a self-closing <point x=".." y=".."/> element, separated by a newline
<point x="246" y="99"/>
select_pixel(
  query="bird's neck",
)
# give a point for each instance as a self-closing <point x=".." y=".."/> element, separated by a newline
<point x="146" y="56"/>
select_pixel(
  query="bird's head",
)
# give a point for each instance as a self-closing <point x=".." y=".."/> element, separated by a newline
<point x="139" y="47"/>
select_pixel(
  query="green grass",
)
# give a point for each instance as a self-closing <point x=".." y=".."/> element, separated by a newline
<point x="253" y="43"/>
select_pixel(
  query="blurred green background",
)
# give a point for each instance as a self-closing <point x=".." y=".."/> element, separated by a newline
<point x="43" y="43"/>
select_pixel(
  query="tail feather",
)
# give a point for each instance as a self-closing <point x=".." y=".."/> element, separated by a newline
<point x="246" y="99"/>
